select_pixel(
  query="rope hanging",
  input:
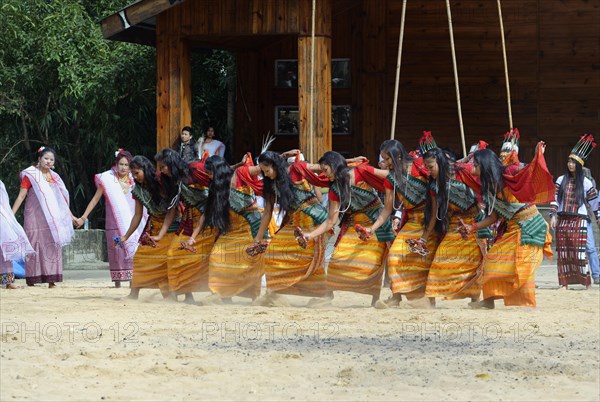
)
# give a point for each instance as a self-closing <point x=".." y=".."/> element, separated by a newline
<point x="510" y="119"/>
<point x="312" y="84"/>
<point x="398" y="64"/>
<point x="462" y="131"/>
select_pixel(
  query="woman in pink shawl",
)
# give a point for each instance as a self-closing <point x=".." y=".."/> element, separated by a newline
<point x="116" y="185"/>
<point x="13" y="241"/>
<point x="48" y="219"/>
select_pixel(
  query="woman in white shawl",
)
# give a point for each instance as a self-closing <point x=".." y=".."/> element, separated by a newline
<point x="48" y="219"/>
<point x="13" y="241"/>
<point x="116" y="185"/>
<point x="210" y="145"/>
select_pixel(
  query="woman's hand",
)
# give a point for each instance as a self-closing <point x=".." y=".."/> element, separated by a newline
<point x="363" y="233"/>
<point x="290" y="153"/>
<point x="553" y="223"/>
<point x="301" y="238"/>
<point x="157" y="238"/>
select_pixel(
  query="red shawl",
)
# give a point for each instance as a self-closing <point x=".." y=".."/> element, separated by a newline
<point x="316" y="180"/>
<point x="243" y="177"/>
<point x="532" y="185"/>
<point x="198" y="174"/>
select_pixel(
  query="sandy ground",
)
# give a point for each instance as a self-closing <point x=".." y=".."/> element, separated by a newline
<point x="80" y="341"/>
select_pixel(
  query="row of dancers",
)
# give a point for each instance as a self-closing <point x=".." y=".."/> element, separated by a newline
<point x="188" y="227"/>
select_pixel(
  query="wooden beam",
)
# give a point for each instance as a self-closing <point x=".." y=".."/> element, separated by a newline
<point x="315" y="110"/>
<point x="134" y="14"/>
<point x="319" y="126"/>
<point x="173" y="80"/>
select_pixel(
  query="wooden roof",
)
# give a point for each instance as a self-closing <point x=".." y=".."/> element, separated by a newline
<point x="136" y="23"/>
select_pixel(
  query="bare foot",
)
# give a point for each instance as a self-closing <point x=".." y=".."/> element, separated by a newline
<point x="487" y="304"/>
<point x="260" y="301"/>
<point x="117" y="284"/>
<point x="189" y="299"/>
<point x="381" y="305"/>
<point x="134" y="294"/>
<point x="271" y="299"/>
<point x="318" y="302"/>
<point x="51" y="285"/>
<point x="12" y="286"/>
<point x="374" y="300"/>
<point x="211" y="300"/>
<point x="422" y="303"/>
<point x="394" y="300"/>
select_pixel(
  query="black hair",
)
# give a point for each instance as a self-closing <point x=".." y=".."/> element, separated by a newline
<point x="151" y="182"/>
<point x="450" y="154"/>
<point x="283" y="183"/>
<point x="491" y="171"/>
<point x="41" y="152"/>
<point x="341" y="171"/>
<point x="121" y="153"/>
<point x="400" y="159"/>
<point x="579" y="176"/>
<point x="443" y="181"/>
<point x="216" y="214"/>
<point x="177" y="167"/>
<point x="188" y="129"/>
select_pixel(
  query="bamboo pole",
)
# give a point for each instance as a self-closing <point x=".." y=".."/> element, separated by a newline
<point x="311" y="115"/>
<point x="462" y="131"/>
<point x="398" y="64"/>
<point x="510" y="119"/>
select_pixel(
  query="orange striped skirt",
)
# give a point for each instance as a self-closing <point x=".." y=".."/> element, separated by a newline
<point x="150" y="267"/>
<point x="187" y="271"/>
<point x="510" y="268"/>
<point x="291" y="269"/>
<point x="457" y="265"/>
<point x="232" y="272"/>
<point x="356" y="265"/>
<point x="408" y="271"/>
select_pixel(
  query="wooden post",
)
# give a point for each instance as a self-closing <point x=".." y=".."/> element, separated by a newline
<point x="173" y="81"/>
<point x="317" y="125"/>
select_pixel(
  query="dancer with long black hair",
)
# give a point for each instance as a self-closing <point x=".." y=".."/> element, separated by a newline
<point x="458" y="261"/>
<point x="150" y="264"/>
<point x="231" y="211"/>
<point x="511" y="262"/>
<point x="187" y="267"/>
<point x="290" y="269"/>
<point x="189" y="251"/>
<point x="355" y="265"/>
<point x="405" y="190"/>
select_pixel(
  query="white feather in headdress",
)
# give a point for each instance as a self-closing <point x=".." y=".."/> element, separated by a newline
<point x="266" y="143"/>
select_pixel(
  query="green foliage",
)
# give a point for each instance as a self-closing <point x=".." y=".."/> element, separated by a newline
<point x="62" y="84"/>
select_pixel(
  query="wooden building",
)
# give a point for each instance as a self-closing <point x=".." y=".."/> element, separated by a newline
<point x="553" y="52"/>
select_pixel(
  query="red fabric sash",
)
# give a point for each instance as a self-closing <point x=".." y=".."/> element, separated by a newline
<point x="310" y="176"/>
<point x="532" y="185"/>
<point x="244" y="178"/>
<point x="198" y="174"/>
